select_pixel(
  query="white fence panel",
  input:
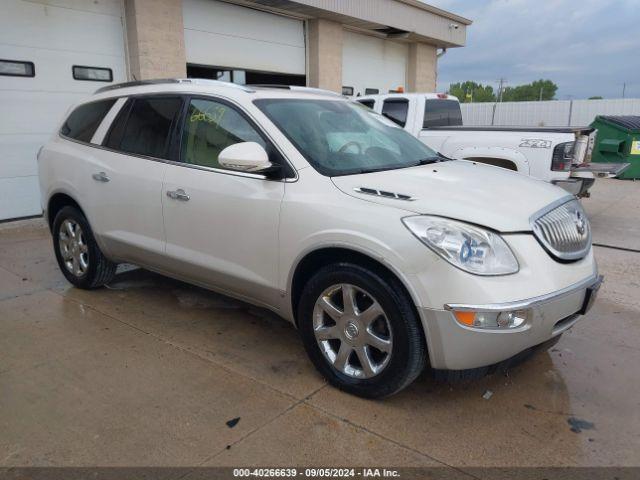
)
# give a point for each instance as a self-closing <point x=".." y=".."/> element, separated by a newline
<point x="551" y="113"/>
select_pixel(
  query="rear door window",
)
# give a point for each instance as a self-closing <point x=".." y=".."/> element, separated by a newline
<point x="396" y="109"/>
<point x="85" y="120"/>
<point x="441" y="113"/>
<point x="147" y="128"/>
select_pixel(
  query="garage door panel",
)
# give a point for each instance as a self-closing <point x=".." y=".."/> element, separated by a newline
<point x="34" y="112"/>
<point x="225" y="35"/>
<point x="243" y="53"/>
<point x="32" y="24"/>
<point x="371" y="62"/>
<point x="54" y="35"/>
<point x="53" y="69"/>
<point x="19" y="197"/>
<point x="224" y="18"/>
<point x="19" y="154"/>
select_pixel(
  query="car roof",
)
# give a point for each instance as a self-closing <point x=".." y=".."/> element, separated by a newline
<point x="206" y="86"/>
<point x="428" y="96"/>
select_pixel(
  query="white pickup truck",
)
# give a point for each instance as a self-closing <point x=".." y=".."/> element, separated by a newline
<point x="558" y="155"/>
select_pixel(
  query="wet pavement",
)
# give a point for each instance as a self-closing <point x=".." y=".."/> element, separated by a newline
<point x="152" y="371"/>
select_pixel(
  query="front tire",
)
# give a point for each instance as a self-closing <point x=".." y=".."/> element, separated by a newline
<point x="361" y="331"/>
<point x="79" y="257"/>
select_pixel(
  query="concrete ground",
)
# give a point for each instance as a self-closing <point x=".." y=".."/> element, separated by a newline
<point x="152" y="371"/>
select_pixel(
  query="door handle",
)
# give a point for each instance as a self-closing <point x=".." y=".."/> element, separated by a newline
<point x="178" y="194"/>
<point x="100" y="177"/>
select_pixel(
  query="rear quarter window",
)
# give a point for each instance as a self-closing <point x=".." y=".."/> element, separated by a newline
<point x="396" y="109"/>
<point x="83" y="122"/>
<point x="441" y="113"/>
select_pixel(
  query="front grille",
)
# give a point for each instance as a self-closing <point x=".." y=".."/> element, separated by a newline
<point x="564" y="231"/>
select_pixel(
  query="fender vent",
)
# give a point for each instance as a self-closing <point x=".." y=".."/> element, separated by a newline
<point x="385" y="194"/>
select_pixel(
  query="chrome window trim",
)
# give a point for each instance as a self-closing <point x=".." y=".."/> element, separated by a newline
<point x="563" y="256"/>
<point x="528" y="303"/>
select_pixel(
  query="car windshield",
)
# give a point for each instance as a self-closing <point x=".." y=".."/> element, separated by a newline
<point x="342" y="138"/>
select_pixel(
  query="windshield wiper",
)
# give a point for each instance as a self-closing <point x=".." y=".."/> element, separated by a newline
<point x="435" y="159"/>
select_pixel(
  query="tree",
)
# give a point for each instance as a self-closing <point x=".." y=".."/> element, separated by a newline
<point x="538" y="90"/>
<point x="472" y="92"/>
<point x="597" y="97"/>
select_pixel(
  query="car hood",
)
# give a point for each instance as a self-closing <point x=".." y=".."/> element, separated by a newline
<point x="490" y="196"/>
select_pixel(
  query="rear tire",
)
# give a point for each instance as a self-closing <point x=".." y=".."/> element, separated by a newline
<point x="373" y="348"/>
<point x="79" y="257"/>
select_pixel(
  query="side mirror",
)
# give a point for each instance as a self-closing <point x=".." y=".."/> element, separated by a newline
<point x="245" y="157"/>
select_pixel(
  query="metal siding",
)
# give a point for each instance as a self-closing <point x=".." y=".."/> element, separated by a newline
<point x="548" y="113"/>
<point x="398" y="15"/>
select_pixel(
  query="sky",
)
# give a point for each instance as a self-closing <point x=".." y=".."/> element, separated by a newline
<point x="587" y="47"/>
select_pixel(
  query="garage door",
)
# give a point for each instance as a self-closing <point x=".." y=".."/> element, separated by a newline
<point x="373" y="63"/>
<point x="224" y="35"/>
<point x="40" y="42"/>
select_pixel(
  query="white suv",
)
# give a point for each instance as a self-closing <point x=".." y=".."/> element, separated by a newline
<point x="383" y="253"/>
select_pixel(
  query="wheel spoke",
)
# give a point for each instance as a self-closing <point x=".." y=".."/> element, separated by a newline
<point x="83" y="262"/>
<point x="366" y="362"/>
<point x="76" y="266"/>
<point x="70" y="230"/>
<point x="327" y="333"/>
<point x="343" y="357"/>
<point x="380" y="343"/>
<point x="83" y="248"/>
<point x="349" y="300"/>
<point x="330" y="309"/>
<point x="371" y="314"/>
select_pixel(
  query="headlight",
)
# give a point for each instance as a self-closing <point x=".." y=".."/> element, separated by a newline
<point x="470" y="248"/>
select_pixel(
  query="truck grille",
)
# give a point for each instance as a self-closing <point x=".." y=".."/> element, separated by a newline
<point x="564" y="231"/>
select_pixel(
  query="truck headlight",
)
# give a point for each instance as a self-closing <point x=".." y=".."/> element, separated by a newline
<point x="470" y="248"/>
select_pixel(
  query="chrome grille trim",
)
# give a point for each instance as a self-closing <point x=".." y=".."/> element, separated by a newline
<point x="563" y="229"/>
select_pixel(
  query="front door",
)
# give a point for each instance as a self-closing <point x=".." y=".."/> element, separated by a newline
<point x="221" y="226"/>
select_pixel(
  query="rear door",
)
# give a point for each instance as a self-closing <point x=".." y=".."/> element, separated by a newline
<point x="124" y="203"/>
<point x="221" y="225"/>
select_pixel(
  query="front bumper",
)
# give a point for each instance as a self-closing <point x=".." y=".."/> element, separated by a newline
<point x="453" y="346"/>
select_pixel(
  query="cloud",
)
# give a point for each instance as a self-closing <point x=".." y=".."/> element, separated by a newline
<point x="587" y="47"/>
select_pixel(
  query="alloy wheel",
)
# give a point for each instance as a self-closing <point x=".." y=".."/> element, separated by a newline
<point x="352" y="331"/>
<point x="73" y="247"/>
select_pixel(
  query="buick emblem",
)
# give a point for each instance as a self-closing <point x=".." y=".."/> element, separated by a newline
<point x="580" y="222"/>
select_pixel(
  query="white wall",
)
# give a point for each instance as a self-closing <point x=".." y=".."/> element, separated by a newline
<point x="54" y="35"/>
<point x="226" y="35"/>
<point x="372" y="62"/>
<point x="548" y="113"/>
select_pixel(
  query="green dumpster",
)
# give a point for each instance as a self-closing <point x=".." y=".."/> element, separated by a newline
<point x="618" y="140"/>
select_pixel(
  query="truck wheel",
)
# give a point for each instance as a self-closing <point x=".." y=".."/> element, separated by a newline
<point x="360" y="331"/>
<point x="77" y="253"/>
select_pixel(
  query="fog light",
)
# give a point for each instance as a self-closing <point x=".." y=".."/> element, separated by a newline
<point x="497" y="320"/>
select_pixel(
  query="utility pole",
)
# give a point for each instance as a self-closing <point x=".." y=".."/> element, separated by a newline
<point x="624" y="88"/>
<point x="501" y="82"/>
<point x="541" y="88"/>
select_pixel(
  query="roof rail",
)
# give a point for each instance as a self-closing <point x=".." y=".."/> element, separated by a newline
<point x="296" y="88"/>
<point x="195" y="81"/>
